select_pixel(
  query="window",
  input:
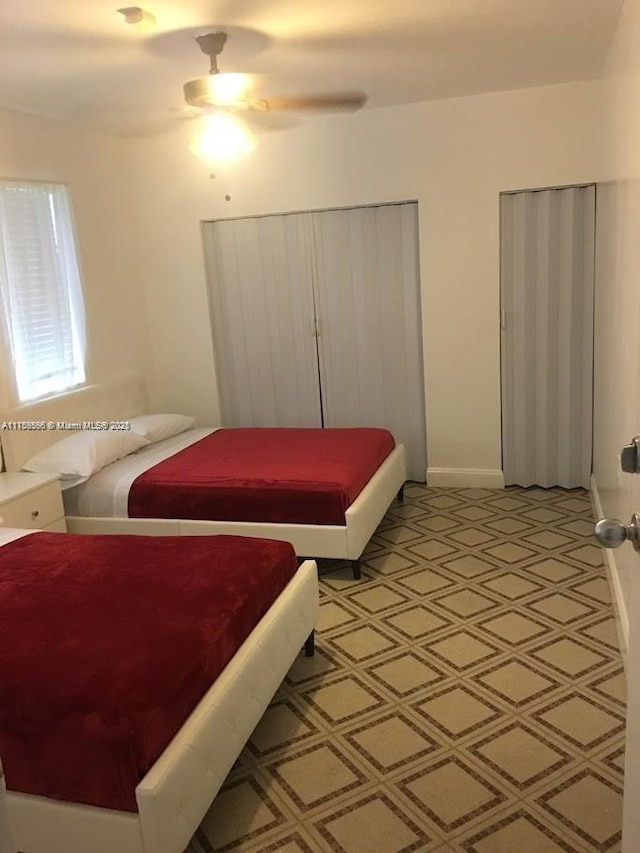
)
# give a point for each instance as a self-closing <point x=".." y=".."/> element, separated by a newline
<point x="40" y="288"/>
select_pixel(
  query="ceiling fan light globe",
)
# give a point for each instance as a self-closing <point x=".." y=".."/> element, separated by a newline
<point x="222" y="138"/>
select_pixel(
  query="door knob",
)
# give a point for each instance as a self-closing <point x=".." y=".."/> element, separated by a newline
<point x="611" y="533"/>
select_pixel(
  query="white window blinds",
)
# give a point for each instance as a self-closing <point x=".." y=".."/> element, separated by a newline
<point x="40" y="288"/>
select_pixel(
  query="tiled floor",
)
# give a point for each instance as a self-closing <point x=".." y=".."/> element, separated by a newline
<point x="466" y="695"/>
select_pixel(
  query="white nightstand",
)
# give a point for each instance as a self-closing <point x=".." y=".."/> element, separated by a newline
<point x="32" y="501"/>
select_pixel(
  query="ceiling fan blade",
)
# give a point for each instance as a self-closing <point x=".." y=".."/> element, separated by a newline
<point x="142" y="124"/>
<point x="186" y="112"/>
<point x="267" y="120"/>
<point x="329" y="102"/>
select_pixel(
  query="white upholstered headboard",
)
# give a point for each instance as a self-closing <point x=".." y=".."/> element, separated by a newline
<point x="116" y="400"/>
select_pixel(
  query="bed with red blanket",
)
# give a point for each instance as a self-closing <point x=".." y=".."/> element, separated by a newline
<point x="132" y="671"/>
<point x="294" y="476"/>
<point x="323" y="490"/>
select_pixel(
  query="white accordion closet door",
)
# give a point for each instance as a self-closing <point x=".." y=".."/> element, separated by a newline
<point x="316" y="321"/>
<point x="262" y="319"/>
<point x="367" y="285"/>
<point x="547" y="285"/>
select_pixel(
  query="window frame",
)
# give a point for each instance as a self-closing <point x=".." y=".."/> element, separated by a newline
<point x="60" y="296"/>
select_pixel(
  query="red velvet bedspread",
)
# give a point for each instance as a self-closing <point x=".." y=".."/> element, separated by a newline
<point x="298" y="476"/>
<point x="107" y="643"/>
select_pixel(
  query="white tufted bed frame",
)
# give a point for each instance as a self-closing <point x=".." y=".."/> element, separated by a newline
<point x="126" y="397"/>
<point x="175" y="794"/>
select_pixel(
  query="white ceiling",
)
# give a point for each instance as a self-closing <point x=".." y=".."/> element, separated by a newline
<point x="77" y="59"/>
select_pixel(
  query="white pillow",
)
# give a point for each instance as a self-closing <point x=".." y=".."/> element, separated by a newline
<point x="156" y="427"/>
<point x="84" y="453"/>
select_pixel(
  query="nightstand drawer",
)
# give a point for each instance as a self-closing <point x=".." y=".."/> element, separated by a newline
<point x="35" y="509"/>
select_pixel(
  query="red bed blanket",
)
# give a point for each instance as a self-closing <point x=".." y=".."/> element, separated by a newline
<point x="297" y="476"/>
<point x="107" y="643"/>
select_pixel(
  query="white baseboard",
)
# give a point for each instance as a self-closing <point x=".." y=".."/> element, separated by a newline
<point x="470" y="478"/>
<point x="620" y="606"/>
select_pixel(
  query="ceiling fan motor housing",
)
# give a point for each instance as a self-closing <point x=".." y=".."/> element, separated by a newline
<point x="197" y="93"/>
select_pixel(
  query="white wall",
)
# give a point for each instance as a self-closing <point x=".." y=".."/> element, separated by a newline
<point x="454" y="157"/>
<point x="100" y="174"/>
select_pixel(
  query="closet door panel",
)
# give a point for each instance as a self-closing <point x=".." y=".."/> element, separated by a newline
<point x="262" y="318"/>
<point x="366" y="283"/>
<point x="547" y="283"/>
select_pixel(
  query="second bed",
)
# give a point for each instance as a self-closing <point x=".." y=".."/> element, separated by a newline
<point x="324" y="491"/>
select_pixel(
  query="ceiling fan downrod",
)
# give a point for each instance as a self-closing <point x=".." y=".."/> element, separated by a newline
<point x="211" y="44"/>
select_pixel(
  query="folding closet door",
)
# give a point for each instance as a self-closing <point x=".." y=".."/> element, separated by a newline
<point x="367" y="291"/>
<point x="262" y="319"/>
<point x="547" y="283"/>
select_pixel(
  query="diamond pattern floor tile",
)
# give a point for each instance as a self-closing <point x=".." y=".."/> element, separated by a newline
<point x="451" y="793"/>
<point x="547" y="539"/>
<point x="416" y="621"/>
<point x="466" y="603"/>
<point x="457" y="711"/>
<point x="560" y="608"/>
<point x="570" y="657"/>
<point x="511" y="586"/>
<point x="469" y="566"/>
<point x="344" y="699"/>
<point x="423" y="583"/>
<point x="604" y="631"/>
<point x="520" y="755"/>
<point x="362" y="643"/>
<point x="518" y="833"/>
<point x="514" y="628"/>
<point x="554" y="570"/>
<point x="243" y="810"/>
<point x="517" y="682"/>
<point x="509" y="526"/>
<point x="282" y="723"/>
<point x="405" y="674"/>
<point x="509" y="552"/>
<point x="377" y="598"/>
<point x="391" y="742"/>
<point x="462" y="650"/>
<point x="581" y="721"/>
<point x="466" y="696"/>
<point x="316" y="775"/>
<point x="590" y="805"/>
<point x="612" y="686"/>
<point x="374" y="823"/>
<point x="333" y="615"/>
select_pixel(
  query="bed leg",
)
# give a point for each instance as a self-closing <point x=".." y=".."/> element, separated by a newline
<point x="310" y="645"/>
<point x="401" y="494"/>
<point x="355" y="567"/>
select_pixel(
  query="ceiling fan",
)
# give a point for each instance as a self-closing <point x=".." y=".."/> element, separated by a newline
<point x="231" y="91"/>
